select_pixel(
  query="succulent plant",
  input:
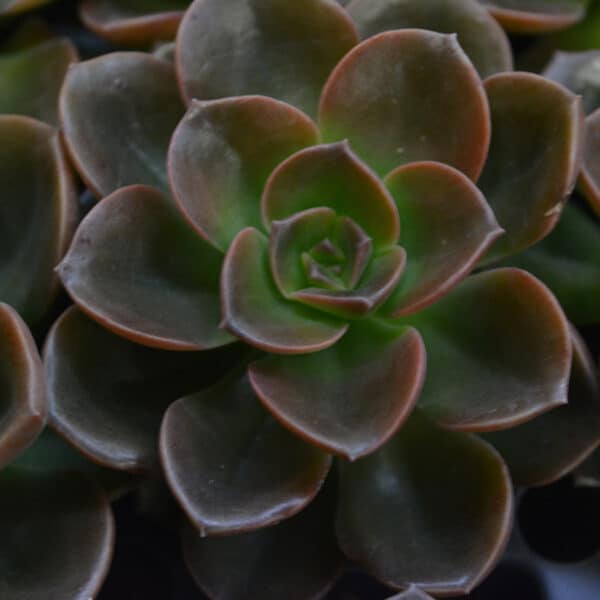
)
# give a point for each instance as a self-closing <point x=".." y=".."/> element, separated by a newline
<point x="287" y="298"/>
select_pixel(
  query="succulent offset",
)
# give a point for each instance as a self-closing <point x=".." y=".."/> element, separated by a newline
<point x="275" y="292"/>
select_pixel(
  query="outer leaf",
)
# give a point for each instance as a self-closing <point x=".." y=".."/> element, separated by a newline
<point x="137" y="268"/>
<point x="118" y="112"/>
<point x="22" y="390"/>
<point x="534" y="156"/>
<point x="231" y="466"/>
<point x="109" y="400"/>
<point x="392" y="120"/>
<point x="536" y="16"/>
<point x="483" y="40"/>
<point x="577" y="71"/>
<point x="412" y="593"/>
<point x="14" y="7"/>
<point x="57" y="536"/>
<point x="448" y="225"/>
<point x="498" y="352"/>
<point x="568" y="262"/>
<point x="30" y="79"/>
<point x="133" y="21"/>
<point x="37" y="214"/>
<point x="221" y="155"/>
<point x="431" y="508"/>
<point x="332" y="175"/>
<point x="550" y="446"/>
<point x="589" y="179"/>
<point x="254" y="310"/>
<point x="350" y="398"/>
<point x="280" y="49"/>
<point x="264" y="564"/>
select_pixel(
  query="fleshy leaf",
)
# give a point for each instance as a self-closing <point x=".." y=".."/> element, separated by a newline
<point x="579" y="72"/>
<point x="255" y="311"/>
<point x="536" y="16"/>
<point x="350" y="398"/>
<point x="231" y="466"/>
<point x="498" y="352"/>
<point x="431" y="508"/>
<point x="221" y="155"/>
<point x="136" y="22"/>
<point x="589" y="179"/>
<point x="534" y="156"/>
<point x="482" y="39"/>
<point x="553" y="444"/>
<point x="136" y="267"/>
<point x="392" y="120"/>
<point x="57" y="535"/>
<point x="568" y="262"/>
<point x="448" y="225"/>
<point x="412" y="593"/>
<point x="281" y="49"/>
<point x="15" y="7"/>
<point x="109" y="400"/>
<point x="30" y="79"/>
<point x="118" y="112"/>
<point x="22" y="389"/>
<point x="264" y="564"/>
<point x="37" y="214"/>
<point x="332" y="175"/>
<point x="378" y="282"/>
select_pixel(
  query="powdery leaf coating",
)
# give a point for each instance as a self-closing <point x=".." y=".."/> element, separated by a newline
<point x="31" y="78"/>
<point x="138" y="268"/>
<point x="447" y="226"/>
<point x="133" y="21"/>
<point x="332" y="175"/>
<point x="57" y="535"/>
<point x="37" y="214"/>
<point x="544" y="449"/>
<point x="536" y="16"/>
<point x="231" y="466"/>
<point x="23" y="405"/>
<point x="264" y="564"/>
<point x="589" y="178"/>
<point x="350" y="398"/>
<point x="385" y="98"/>
<point x="431" y="508"/>
<point x="281" y="49"/>
<point x="534" y="158"/>
<point x="498" y="352"/>
<point x="221" y="155"/>
<point x="412" y="593"/>
<point x="482" y="39"/>
<point x="118" y="112"/>
<point x="109" y="400"/>
<point x="255" y="311"/>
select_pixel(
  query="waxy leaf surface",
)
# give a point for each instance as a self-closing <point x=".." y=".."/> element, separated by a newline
<point x="221" y="155"/>
<point x="109" y="400"/>
<point x="265" y="563"/>
<point x="498" y="352"/>
<point x="589" y="179"/>
<point x="391" y="120"/>
<point x="118" y="112"/>
<point x="447" y="226"/>
<point x="255" y="311"/>
<point x="281" y="49"/>
<point x="57" y="535"/>
<point x="30" y="79"/>
<point x="37" y="214"/>
<point x="412" y="593"/>
<point x="231" y="466"/>
<point x="546" y="448"/>
<point x="480" y="36"/>
<point x="133" y="21"/>
<point x="23" y="404"/>
<point x="140" y="270"/>
<point x="534" y="159"/>
<point x="431" y="508"/>
<point x="14" y="7"/>
<point x="350" y="398"/>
